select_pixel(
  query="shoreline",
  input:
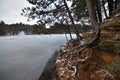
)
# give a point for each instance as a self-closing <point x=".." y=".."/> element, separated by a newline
<point x="49" y="70"/>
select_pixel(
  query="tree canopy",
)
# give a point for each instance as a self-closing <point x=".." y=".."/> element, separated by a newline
<point x="71" y="11"/>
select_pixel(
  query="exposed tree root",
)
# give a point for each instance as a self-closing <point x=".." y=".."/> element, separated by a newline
<point x="81" y="60"/>
<point x="78" y="49"/>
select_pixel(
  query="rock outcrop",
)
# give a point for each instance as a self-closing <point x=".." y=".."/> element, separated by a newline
<point x="102" y="65"/>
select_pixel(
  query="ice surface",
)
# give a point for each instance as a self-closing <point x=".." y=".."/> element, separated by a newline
<point x="24" y="57"/>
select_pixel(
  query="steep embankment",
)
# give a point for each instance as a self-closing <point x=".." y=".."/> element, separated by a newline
<point x="103" y="64"/>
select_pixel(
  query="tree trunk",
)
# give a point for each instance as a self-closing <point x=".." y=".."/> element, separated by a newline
<point x="94" y="23"/>
<point x="92" y="13"/>
<point x="116" y="2"/>
<point x="99" y="11"/>
<point x="72" y="21"/>
<point x="68" y="28"/>
<point x="110" y="6"/>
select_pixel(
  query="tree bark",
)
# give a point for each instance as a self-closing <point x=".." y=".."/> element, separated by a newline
<point x="99" y="11"/>
<point x="92" y="13"/>
<point x="94" y="23"/>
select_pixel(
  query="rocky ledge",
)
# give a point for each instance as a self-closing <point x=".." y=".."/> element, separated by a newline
<point x="103" y="64"/>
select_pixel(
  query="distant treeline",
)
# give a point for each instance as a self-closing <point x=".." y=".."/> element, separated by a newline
<point x="64" y="28"/>
<point x="15" y="29"/>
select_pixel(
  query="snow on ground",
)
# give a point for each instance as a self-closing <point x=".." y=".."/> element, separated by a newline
<point x="24" y="57"/>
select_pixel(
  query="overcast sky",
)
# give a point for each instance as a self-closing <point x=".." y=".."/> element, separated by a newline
<point x="10" y="11"/>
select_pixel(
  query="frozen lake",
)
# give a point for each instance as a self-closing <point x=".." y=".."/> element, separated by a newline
<point x="24" y="57"/>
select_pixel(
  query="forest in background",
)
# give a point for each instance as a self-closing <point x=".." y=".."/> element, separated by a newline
<point x="15" y="29"/>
